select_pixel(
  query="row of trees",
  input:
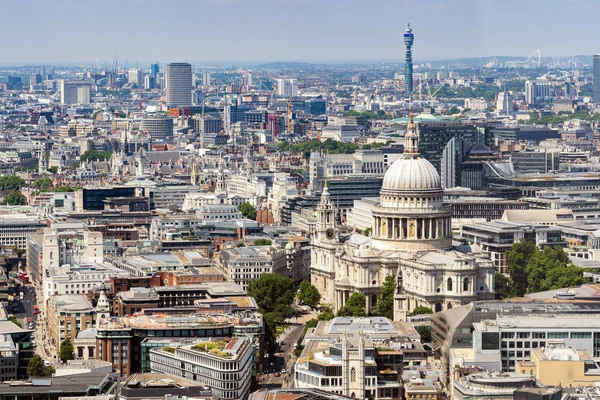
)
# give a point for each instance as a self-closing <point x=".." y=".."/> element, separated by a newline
<point x="533" y="270"/>
<point x="8" y="183"/>
<point x="378" y="115"/>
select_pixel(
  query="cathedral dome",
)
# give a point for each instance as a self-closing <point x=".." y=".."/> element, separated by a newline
<point x="411" y="174"/>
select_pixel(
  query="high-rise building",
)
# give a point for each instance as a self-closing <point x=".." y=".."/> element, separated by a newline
<point x="206" y="79"/>
<point x="149" y="82"/>
<point x="537" y="91"/>
<point x="408" y="64"/>
<point x="247" y="78"/>
<point x="158" y="127"/>
<point x="75" y="92"/>
<point x="596" y="78"/>
<point x="179" y="85"/>
<point x="287" y="88"/>
<point x="136" y="77"/>
<point x="154" y="70"/>
<point x="34" y="80"/>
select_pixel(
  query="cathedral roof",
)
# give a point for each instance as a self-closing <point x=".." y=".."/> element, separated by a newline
<point x="411" y="173"/>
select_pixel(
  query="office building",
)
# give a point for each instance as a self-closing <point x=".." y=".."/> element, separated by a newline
<point x="208" y="123"/>
<point x="179" y="85"/>
<point x="434" y="137"/>
<point x="244" y="264"/>
<point x="206" y="79"/>
<point x="409" y="39"/>
<point x="226" y="367"/>
<point x="75" y="92"/>
<point x="34" y="80"/>
<point x="67" y="315"/>
<point x="158" y="127"/>
<point x="330" y="166"/>
<point x="16" y="227"/>
<point x="161" y="387"/>
<point x="358" y="357"/>
<point x="497" y="237"/>
<point x="462" y="164"/>
<point x="154" y="70"/>
<point x="538" y="91"/>
<point x="123" y="341"/>
<point x="98" y="385"/>
<point x="504" y="103"/>
<point x="596" y="77"/>
<point x="246" y="79"/>
<point x="560" y="365"/>
<point x="287" y="88"/>
<point x="136" y="77"/>
<point x="490" y="385"/>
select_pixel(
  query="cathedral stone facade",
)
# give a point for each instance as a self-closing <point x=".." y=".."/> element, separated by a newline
<point x="411" y="240"/>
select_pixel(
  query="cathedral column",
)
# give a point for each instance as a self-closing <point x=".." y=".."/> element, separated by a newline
<point x="368" y="299"/>
<point x="423" y="229"/>
<point x="430" y="228"/>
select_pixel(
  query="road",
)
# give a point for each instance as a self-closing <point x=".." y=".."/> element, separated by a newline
<point x="287" y="341"/>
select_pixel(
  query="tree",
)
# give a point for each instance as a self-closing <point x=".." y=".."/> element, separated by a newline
<point x="66" y="352"/>
<point x="503" y="286"/>
<point x="274" y="295"/>
<point x="262" y="242"/>
<point x="94" y="155"/>
<point x="356" y="306"/>
<point x="326" y="314"/>
<point x="425" y="332"/>
<point x="53" y="169"/>
<point x="368" y="231"/>
<point x="247" y="210"/>
<point x="36" y="367"/>
<point x="552" y="269"/>
<point x="420" y="310"/>
<point x="64" y="189"/>
<point x="15" y="198"/>
<point x="44" y="183"/>
<point x="11" y="182"/>
<point x="308" y="294"/>
<point x="385" y="305"/>
<point x="15" y="321"/>
<point x="517" y="260"/>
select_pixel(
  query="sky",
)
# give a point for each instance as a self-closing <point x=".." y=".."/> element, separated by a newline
<point x="73" y="31"/>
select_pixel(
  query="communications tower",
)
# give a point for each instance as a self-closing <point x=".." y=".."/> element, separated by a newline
<point x="408" y="64"/>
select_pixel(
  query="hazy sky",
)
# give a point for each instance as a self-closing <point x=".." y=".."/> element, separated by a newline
<point x="281" y="30"/>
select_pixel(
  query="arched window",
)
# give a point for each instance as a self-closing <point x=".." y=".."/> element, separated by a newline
<point x="353" y="375"/>
<point x="449" y="284"/>
<point x="373" y="300"/>
<point x="466" y="284"/>
<point x="438" y="307"/>
<point x="448" y="306"/>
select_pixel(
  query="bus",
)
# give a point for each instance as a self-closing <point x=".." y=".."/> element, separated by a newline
<point x="23" y="277"/>
<point x="36" y="309"/>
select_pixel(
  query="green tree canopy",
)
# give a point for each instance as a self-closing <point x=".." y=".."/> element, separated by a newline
<point x="425" y="333"/>
<point x="308" y="294"/>
<point x="503" y="286"/>
<point x="15" y="198"/>
<point x="247" y="210"/>
<point x="36" y="367"/>
<point x="11" y="182"/>
<point x="66" y="351"/>
<point x="94" y="155"/>
<point x="385" y="304"/>
<point x="44" y="183"/>
<point x="420" y="310"/>
<point x="274" y="295"/>
<point x="262" y="242"/>
<point x="532" y="270"/>
<point x="517" y="260"/>
<point x="356" y="306"/>
<point x="368" y="231"/>
<point x="326" y="313"/>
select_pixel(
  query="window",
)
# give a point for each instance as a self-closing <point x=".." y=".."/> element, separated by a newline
<point x="558" y="335"/>
<point x="353" y="375"/>
<point x="581" y="335"/>
<point x="449" y="284"/>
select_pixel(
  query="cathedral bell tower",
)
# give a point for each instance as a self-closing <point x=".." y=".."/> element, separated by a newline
<point x="325" y="224"/>
<point x="102" y="308"/>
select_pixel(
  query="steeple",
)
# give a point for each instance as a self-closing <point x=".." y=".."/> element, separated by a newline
<point x="411" y="139"/>
<point x="102" y="308"/>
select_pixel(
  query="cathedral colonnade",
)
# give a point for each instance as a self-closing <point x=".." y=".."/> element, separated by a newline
<point x="421" y="228"/>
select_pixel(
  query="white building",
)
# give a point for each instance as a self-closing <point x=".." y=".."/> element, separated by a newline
<point x="287" y="87"/>
<point x="136" y="77"/>
<point x="226" y="367"/>
<point x="14" y="229"/>
<point x="75" y="92"/>
<point x="243" y="264"/>
<point x="411" y="240"/>
<point x="362" y="162"/>
<point x="353" y="352"/>
<point x="218" y="212"/>
<point x="339" y="129"/>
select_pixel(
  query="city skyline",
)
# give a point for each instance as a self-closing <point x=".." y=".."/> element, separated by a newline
<point x="295" y="30"/>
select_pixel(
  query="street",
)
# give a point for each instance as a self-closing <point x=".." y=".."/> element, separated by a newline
<point x="287" y="341"/>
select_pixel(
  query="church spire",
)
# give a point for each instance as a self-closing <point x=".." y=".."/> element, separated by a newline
<point x="411" y="139"/>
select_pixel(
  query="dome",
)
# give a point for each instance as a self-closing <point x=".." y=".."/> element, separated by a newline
<point x="411" y="174"/>
<point x="289" y="246"/>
